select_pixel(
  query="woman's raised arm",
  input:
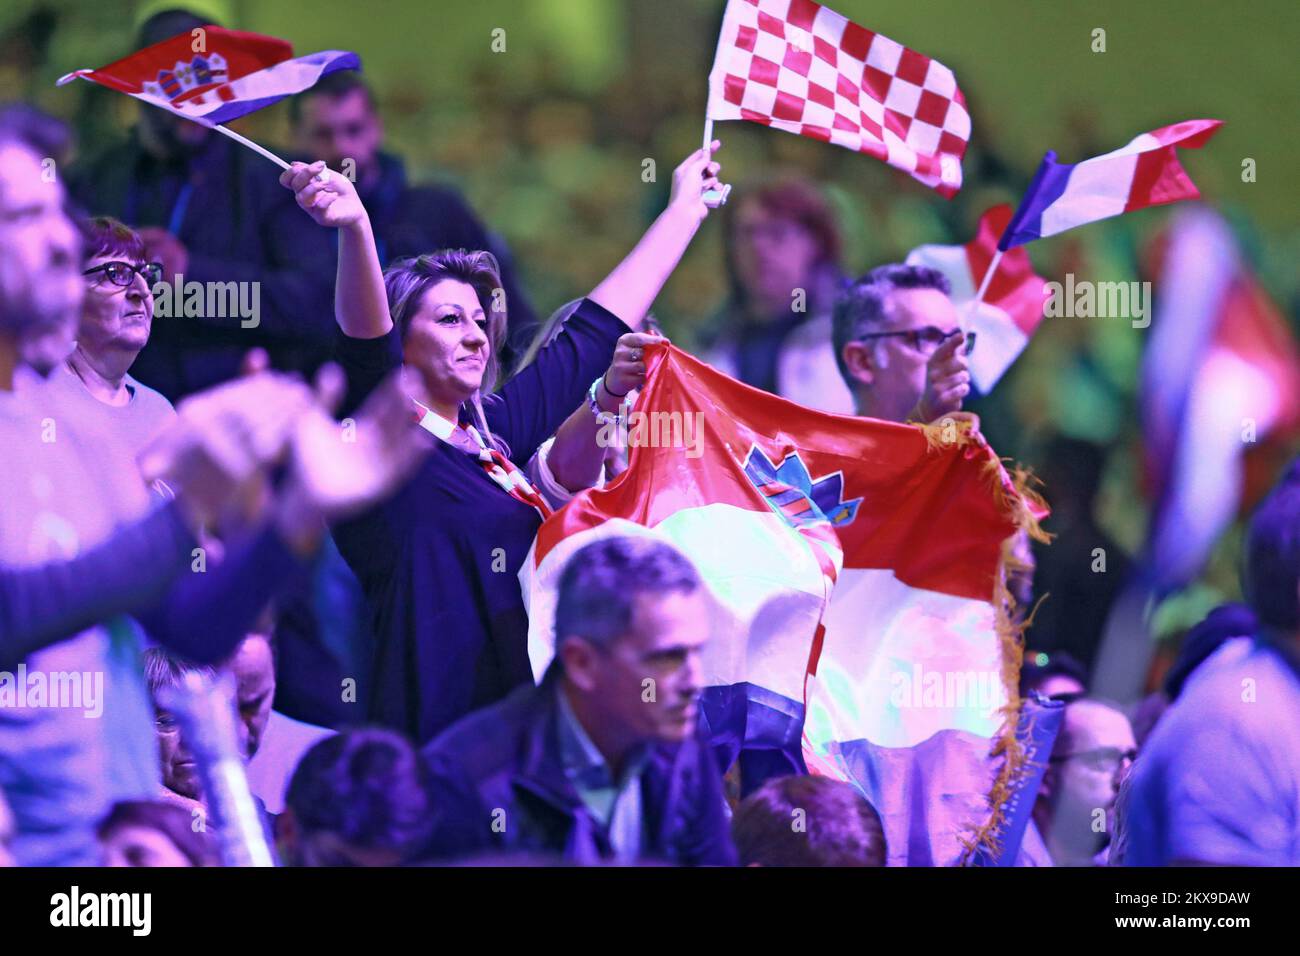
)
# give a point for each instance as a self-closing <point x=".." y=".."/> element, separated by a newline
<point x="360" y="303"/>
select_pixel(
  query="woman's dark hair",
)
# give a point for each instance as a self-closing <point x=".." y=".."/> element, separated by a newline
<point x="106" y="236"/>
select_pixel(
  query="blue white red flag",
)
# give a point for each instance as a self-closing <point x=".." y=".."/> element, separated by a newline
<point x="1012" y="307"/>
<point x="857" y="571"/>
<point x="1146" y="172"/>
<point x="213" y="75"/>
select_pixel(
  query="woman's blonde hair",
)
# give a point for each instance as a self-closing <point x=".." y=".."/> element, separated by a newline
<point x="407" y="280"/>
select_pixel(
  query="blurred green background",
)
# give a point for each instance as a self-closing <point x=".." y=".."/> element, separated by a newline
<point x="548" y="138"/>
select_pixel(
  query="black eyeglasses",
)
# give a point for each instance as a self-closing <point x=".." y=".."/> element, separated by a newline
<point x="123" y="273"/>
<point x="925" y="340"/>
<point x="1105" y="759"/>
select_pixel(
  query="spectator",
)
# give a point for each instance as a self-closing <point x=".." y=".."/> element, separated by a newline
<point x="783" y="266"/>
<point x="150" y="833"/>
<point x="1074" y="812"/>
<point x="603" y="760"/>
<point x="808" y="821"/>
<point x="899" y="346"/>
<point x="210" y="211"/>
<point x="338" y="121"/>
<point x="360" y="798"/>
<point x="439" y="563"/>
<point x="1219" y="778"/>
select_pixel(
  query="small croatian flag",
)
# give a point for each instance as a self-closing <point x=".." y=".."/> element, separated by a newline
<point x="1144" y="173"/>
<point x="212" y="76"/>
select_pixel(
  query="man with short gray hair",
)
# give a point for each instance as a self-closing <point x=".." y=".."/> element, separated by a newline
<point x="602" y="761"/>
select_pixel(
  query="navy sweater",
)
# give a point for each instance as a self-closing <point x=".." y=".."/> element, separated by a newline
<point x="440" y="561"/>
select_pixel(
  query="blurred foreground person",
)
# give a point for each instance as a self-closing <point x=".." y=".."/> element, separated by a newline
<point x="150" y="833"/>
<point x="808" y="821"/>
<point x="360" y="798"/>
<point x="1218" y="781"/>
<point x="73" y="561"/>
<point x="1074" y="814"/>
<point x="603" y="760"/>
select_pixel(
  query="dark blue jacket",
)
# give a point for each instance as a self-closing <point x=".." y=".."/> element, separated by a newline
<point x="500" y="787"/>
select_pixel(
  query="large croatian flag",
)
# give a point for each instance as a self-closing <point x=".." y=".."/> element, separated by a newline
<point x="775" y="503"/>
<point x="1012" y="307"/>
<point x="217" y="75"/>
<point x="1146" y="172"/>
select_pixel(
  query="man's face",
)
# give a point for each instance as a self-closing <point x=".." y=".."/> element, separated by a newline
<point x="40" y="260"/>
<point x="338" y="128"/>
<point x="773" y="257"/>
<point x="115" y="318"/>
<point x="892" y="368"/>
<point x="649" y="681"/>
<point x="1088" y="774"/>
<point x="254" y="672"/>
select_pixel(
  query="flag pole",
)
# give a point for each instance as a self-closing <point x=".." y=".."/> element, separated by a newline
<point x="322" y="176"/>
<point x="988" y="277"/>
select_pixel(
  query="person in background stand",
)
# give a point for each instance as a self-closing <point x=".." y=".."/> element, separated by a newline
<point x="337" y="121"/>
<point x="210" y="211"/>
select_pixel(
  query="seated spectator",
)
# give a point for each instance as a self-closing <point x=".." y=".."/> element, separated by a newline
<point x="360" y="798"/>
<point x="152" y="833"/>
<point x="783" y="261"/>
<point x="603" y="760"/>
<point x="181" y="783"/>
<point x="252" y="664"/>
<point x="808" y="821"/>
<point x="211" y="211"/>
<point x="338" y="121"/>
<point x="1219" y="778"/>
<point x="1074" y="814"/>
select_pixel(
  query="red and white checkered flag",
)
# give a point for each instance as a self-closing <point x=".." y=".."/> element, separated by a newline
<point x="803" y="68"/>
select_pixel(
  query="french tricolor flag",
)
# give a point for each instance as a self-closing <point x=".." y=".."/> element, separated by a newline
<point x="1144" y="173"/>
<point x="1012" y="306"/>
<point x="213" y="75"/>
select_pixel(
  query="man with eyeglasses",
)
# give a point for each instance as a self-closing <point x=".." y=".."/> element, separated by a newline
<point x="900" y="346"/>
<point x="1074" y="816"/>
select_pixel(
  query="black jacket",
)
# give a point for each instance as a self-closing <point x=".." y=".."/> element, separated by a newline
<point x="239" y="225"/>
<point x="501" y="789"/>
